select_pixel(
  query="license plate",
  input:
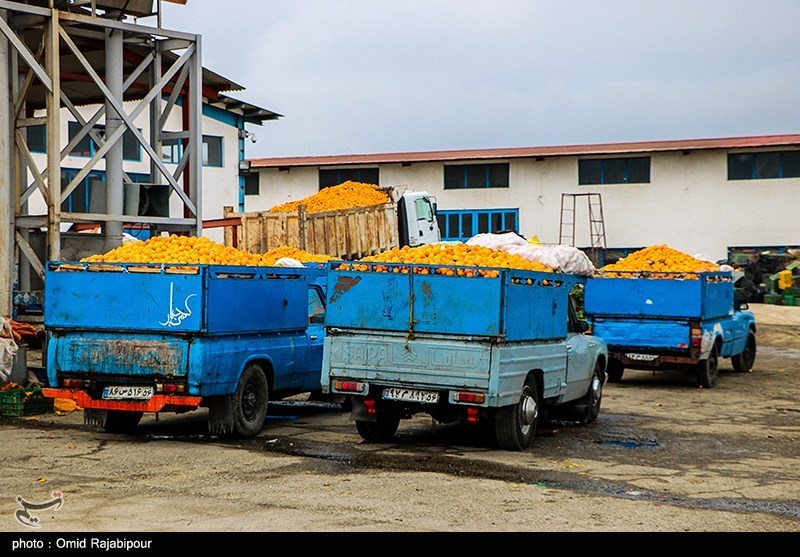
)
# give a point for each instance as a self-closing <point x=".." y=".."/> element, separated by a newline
<point x="411" y="395"/>
<point x="642" y="357"/>
<point x="128" y="393"/>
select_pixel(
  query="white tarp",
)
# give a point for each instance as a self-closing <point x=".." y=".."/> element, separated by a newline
<point x="562" y="259"/>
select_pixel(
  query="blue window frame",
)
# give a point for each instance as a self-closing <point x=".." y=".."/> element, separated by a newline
<point x="634" y="170"/>
<point x="476" y="176"/>
<point x="464" y="224"/>
<point x="212" y="151"/>
<point x="764" y="166"/>
<point x="171" y="151"/>
<point x="86" y="147"/>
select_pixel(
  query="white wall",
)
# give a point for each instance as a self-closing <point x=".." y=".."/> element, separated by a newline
<point x="220" y="186"/>
<point x="689" y="203"/>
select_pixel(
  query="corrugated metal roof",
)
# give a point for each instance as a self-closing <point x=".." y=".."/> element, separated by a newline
<point x="532" y="152"/>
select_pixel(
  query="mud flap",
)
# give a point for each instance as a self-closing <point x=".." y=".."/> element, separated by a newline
<point x="94" y="417"/>
<point x="220" y="415"/>
<point x="360" y="412"/>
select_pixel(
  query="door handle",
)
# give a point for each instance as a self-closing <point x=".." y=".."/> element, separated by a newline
<point x="313" y="337"/>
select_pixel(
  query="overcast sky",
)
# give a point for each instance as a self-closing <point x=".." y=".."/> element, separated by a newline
<point x="371" y="76"/>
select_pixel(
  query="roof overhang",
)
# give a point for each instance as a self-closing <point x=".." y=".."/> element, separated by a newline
<point x="791" y="140"/>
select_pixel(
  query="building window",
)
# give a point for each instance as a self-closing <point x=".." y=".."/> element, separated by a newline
<point x="252" y="183"/>
<point x="37" y="138"/>
<point x="475" y="176"/>
<point x="171" y="150"/>
<point x="634" y="170"/>
<point x="212" y="151"/>
<point x="86" y="147"/>
<point x="764" y="166"/>
<point x="464" y="224"/>
<point x="335" y="176"/>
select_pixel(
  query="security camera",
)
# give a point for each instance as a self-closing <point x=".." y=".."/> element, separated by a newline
<point x="253" y="137"/>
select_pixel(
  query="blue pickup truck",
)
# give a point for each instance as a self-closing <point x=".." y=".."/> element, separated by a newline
<point x="687" y="321"/>
<point x="498" y="348"/>
<point x="124" y="339"/>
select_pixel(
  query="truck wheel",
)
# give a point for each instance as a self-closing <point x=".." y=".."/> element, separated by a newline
<point x="118" y="421"/>
<point x="615" y="370"/>
<point x="515" y="425"/>
<point x="381" y="430"/>
<point x="594" y="397"/>
<point x="744" y="361"/>
<point x="250" y="402"/>
<point x="708" y="370"/>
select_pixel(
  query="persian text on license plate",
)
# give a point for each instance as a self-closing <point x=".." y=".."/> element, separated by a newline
<point x="117" y="392"/>
<point x="411" y="395"/>
<point x="642" y="357"/>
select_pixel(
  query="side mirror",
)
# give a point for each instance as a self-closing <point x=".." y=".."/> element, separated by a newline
<point x="744" y="306"/>
<point x="584" y="327"/>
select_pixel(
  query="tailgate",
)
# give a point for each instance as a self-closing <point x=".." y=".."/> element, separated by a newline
<point x="394" y="360"/>
<point x="90" y="354"/>
<point x="643" y="334"/>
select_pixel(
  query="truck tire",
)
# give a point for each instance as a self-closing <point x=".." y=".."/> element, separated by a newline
<point x="383" y="429"/>
<point x="119" y="421"/>
<point x="615" y="370"/>
<point x="707" y="370"/>
<point x="594" y="397"/>
<point x="250" y="402"/>
<point x="744" y="362"/>
<point x="515" y="425"/>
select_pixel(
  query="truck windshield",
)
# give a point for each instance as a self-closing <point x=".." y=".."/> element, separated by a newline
<point x="424" y="209"/>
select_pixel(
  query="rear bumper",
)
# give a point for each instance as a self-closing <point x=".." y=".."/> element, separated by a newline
<point x="657" y="362"/>
<point x="158" y="403"/>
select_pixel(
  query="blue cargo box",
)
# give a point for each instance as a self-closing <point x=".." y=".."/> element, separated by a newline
<point x="515" y="305"/>
<point x="708" y="296"/>
<point x="169" y="299"/>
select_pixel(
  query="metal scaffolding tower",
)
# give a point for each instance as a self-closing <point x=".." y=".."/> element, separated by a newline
<point x="597" y="226"/>
<point x="58" y="54"/>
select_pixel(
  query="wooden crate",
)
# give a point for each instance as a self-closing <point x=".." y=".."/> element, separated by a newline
<point x="346" y="234"/>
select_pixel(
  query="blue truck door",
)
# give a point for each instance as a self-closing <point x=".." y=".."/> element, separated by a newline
<point x="316" y="338"/>
<point x="579" y="366"/>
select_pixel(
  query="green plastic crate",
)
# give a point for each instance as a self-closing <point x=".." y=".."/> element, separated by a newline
<point x="24" y="402"/>
<point x="774" y="299"/>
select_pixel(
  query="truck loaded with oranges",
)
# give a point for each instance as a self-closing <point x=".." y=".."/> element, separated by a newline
<point x="348" y="221"/>
<point x="660" y="308"/>
<point x="175" y="323"/>
<point x="463" y="333"/>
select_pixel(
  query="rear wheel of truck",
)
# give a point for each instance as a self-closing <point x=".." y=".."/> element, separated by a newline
<point x="118" y="421"/>
<point x="708" y="370"/>
<point x="250" y="401"/>
<point x="615" y="370"/>
<point x="381" y="430"/>
<point x="744" y="361"/>
<point x="515" y="425"/>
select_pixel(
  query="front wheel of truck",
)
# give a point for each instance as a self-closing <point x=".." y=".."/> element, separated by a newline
<point x="515" y="425"/>
<point x="744" y="362"/>
<point x="708" y="370"/>
<point x="250" y="401"/>
<point x="381" y="430"/>
<point x="118" y="421"/>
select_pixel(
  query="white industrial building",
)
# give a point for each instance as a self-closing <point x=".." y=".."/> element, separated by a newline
<point x="700" y="196"/>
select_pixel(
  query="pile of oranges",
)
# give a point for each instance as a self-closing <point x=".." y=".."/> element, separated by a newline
<point x="344" y="196"/>
<point x="473" y="259"/>
<point x="272" y="256"/>
<point x="660" y="260"/>
<point x="196" y="251"/>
